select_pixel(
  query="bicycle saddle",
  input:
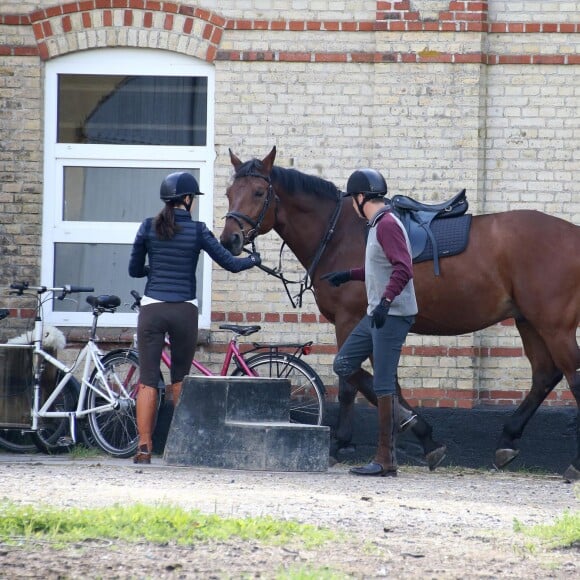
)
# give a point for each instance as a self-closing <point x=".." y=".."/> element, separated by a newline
<point x="243" y="330"/>
<point x="105" y="301"/>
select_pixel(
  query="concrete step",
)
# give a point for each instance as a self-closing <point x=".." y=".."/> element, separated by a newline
<point x="242" y="423"/>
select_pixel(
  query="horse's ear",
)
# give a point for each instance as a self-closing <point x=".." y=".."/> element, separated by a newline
<point x="268" y="161"/>
<point x="236" y="161"/>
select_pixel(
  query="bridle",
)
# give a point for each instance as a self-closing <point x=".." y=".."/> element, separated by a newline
<point x="306" y="281"/>
<point x="240" y="218"/>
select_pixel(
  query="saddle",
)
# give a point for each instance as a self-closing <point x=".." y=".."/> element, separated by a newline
<point x="425" y="231"/>
<point x="104" y="302"/>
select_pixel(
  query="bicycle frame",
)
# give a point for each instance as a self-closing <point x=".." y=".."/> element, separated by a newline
<point x="90" y="355"/>
<point x="232" y="353"/>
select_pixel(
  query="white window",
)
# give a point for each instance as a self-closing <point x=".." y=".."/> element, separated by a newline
<point x="117" y="121"/>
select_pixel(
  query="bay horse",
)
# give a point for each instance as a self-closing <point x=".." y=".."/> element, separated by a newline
<point x="518" y="264"/>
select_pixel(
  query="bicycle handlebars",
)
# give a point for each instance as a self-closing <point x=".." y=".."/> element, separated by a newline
<point x="19" y="288"/>
<point x="137" y="298"/>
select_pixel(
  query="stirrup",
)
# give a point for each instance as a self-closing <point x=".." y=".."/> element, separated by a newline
<point x="407" y="422"/>
<point x="143" y="455"/>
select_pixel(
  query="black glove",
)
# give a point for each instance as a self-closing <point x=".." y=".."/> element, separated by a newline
<point x="379" y="314"/>
<point x="255" y="257"/>
<point x="337" y="278"/>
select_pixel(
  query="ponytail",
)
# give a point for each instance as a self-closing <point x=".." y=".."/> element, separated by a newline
<point x="165" y="226"/>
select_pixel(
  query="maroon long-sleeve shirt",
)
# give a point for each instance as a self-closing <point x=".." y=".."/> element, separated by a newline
<point x="392" y="240"/>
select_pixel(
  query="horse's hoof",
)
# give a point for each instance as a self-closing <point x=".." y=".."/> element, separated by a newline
<point x="505" y="456"/>
<point x="435" y="457"/>
<point x="571" y="474"/>
<point x="347" y="451"/>
<point x="341" y="450"/>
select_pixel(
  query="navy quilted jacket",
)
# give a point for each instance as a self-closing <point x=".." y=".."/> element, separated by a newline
<point x="172" y="263"/>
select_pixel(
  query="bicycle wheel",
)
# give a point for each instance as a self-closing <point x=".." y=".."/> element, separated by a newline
<point x="17" y="441"/>
<point x="53" y="434"/>
<point x="115" y="430"/>
<point x="306" y="390"/>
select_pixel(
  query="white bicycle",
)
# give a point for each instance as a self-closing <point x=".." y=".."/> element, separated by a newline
<point x="101" y="409"/>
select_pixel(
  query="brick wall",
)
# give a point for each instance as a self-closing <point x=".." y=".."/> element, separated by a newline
<point x="438" y="94"/>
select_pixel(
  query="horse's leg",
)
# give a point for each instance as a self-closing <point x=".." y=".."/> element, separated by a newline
<point x="360" y="381"/>
<point x="363" y="381"/>
<point x="433" y="450"/>
<point x="344" y="425"/>
<point x="347" y="390"/>
<point x="572" y="473"/>
<point x="545" y="376"/>
<point x="566" y="354"/>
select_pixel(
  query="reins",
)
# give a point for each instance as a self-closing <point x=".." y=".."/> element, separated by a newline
<point x="305" y="282"/>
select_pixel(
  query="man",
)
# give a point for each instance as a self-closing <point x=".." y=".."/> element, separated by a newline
<point x="392" y="306"/>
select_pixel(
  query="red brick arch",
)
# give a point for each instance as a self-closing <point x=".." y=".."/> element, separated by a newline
<point x="87" y="24"/>
<point x="181" y="27"/>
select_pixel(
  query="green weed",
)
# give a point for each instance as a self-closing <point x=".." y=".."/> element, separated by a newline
<point x="157" y="524"/>
<point x="83" y="452"/>
<point x="310" y="573"/>
<point x="563" y="533"/>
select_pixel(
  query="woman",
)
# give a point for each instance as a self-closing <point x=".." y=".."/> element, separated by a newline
<point x="172" y="242"/>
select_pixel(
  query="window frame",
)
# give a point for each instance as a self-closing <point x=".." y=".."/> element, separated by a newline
<point x="118" y="61"/>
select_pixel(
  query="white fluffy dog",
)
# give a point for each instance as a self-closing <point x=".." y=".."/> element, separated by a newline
<point x="53" y="338"/>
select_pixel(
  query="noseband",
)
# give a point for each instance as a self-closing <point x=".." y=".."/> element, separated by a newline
<point x="240" y="218"/>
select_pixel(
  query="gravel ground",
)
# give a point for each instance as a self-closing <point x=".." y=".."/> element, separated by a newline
<point x="448" y="524"/>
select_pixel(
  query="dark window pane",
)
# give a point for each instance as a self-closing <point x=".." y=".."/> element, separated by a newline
<point x="114" y="194"/>
<point x="104" y="267"/>
<point x="127" y="110"/>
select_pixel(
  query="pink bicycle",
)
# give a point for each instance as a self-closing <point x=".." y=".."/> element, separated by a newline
<point x="282" y="360"/>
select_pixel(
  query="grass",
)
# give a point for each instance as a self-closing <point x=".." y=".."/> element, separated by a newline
<point x="157" y="524"/>
<point x="82" y="452"/>
<point x="310" y="573"/>
<point x="563" y="533"/>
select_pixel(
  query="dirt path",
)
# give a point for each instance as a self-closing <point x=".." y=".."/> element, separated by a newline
<point x="447" y="524"/>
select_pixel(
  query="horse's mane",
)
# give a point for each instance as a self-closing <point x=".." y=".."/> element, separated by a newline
<point x="292" y="180"/>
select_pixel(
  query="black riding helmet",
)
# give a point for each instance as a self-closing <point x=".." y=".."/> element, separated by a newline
<point x="177" y="185"/>
<point x="369" y="182"/>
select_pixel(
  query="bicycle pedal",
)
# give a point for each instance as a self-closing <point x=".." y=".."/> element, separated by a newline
<point x="65" y="442"/>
